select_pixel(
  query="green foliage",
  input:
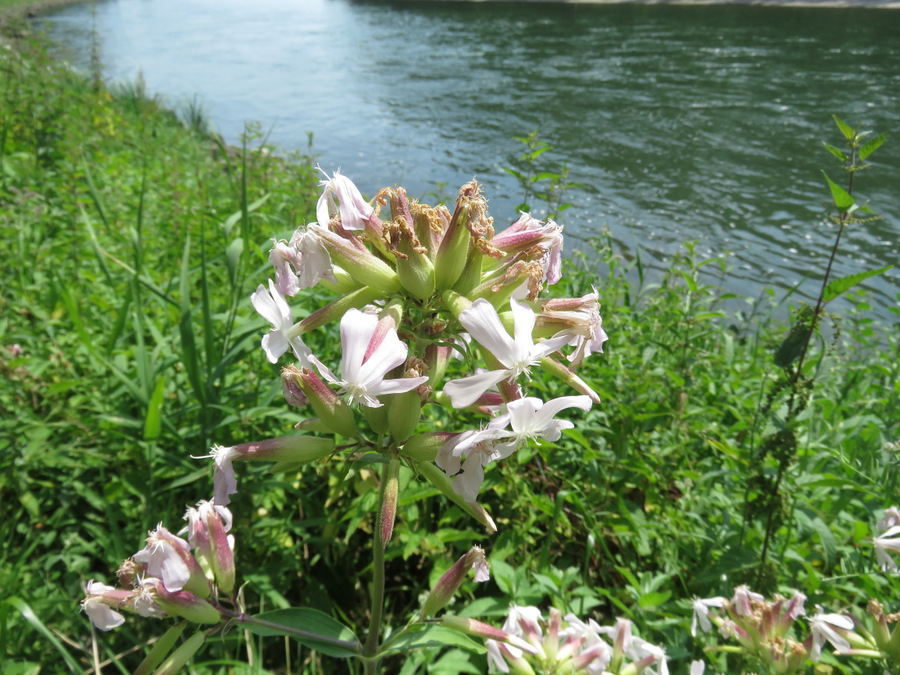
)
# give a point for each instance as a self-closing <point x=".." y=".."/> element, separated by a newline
<point x="133" y="242"/>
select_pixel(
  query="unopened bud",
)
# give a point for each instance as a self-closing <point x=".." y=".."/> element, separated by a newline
<point x="388" y="514"/>
<point x="293" y="394"/>
<point x="442" y="482"/>
<point x="449" y="583"/>
<point x="330" y="408"/>
<point x="424" y="447"/>
<point x="483" y="630"/>
<point x="335" y="310"/>
<point x="351" y="254"/>
<point x="186" y="605"/>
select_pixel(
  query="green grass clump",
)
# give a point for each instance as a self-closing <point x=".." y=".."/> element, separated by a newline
<point x="131" y="242"/>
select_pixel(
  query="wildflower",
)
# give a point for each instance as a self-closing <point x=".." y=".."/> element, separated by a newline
<point x="701" y="613"/>
<point x="99" y="604"/>
<point x="302" y="262"/>
<point x="528" y="232"/>
<point x="743" y="600"/>
<point x="579" y="318"/>
<point x="516" y="354"/>
<point x="208" y="525"/>
<point x="272" y="306"/>
<point x="827" y="627"/>
<point x="370" y="350"/>
<point x="530" y="419"/>
<point x="169" y="559"/>
<point x="299" y="449"/>
<point x="891" y="519"/>
<point x="315" y="262"/>
<point x="889" y="541"/>
<point x="341" y="197"/>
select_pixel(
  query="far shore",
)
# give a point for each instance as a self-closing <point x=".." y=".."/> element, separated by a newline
<point x="32" y="8"/>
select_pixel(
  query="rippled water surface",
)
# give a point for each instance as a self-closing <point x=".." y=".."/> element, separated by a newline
<point x="680" y="122"/>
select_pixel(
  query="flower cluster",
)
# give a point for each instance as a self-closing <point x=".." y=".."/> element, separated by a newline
<point x="570" y="645"/>
<point x="764" y="630"/>
<point x="417" y="285"/>
<point x="172" y="576"/>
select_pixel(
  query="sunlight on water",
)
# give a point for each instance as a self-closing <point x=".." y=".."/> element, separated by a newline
<point x="681" y="122"/>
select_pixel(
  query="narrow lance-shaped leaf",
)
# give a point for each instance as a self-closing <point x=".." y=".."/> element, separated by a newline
<point x="161" y="649"/>
<point x="309" y="627"/>
<point x="839" y="286"/>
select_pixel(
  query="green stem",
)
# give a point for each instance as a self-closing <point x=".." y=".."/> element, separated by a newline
<point x="371" y="647"/>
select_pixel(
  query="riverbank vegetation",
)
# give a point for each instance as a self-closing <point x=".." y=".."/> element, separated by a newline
<point x="132" y="240"/>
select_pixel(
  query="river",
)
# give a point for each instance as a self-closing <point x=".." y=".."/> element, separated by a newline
<point x="680" y="122"/>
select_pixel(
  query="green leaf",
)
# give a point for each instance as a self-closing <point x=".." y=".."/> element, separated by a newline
<point x="233" y="256"/>
<point x="32" y="618"/>
<point x="843" y="200"/>
<point x="432" y="636"/>
<point x="838" y="286"/>
<point x="152" y="423"/>
<point x="837" y="152"/>
<point x="161" y="649"/>
<point x="309" y="627"/>
<point x="792" y="346"/>
<point x="849" y="133"/>
<point x="829" y="546"/>
<point x="654" y="599"/>
<point x="871" y="147"/>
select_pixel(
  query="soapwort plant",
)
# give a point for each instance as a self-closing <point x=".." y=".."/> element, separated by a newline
<point x="436" y="311"/>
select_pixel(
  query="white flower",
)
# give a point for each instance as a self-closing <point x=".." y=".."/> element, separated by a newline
<point x="701" y="613"/>
<point x="341" y="196"/>
<point x="272" y="306"/>
<point x="165" y="556"/>
<point x="302" y="262"/>
<point x="530" y="419"/>
<point x="369" y="353"/>
<point x="580" y="319"/>
<point x="743" y="600"/>
<point x="95" y="605"/>
<point x="888" y="541"/>
<point x="517" y="354"/>
<point x="824" y="627"/>
<point x="224" y="480"/>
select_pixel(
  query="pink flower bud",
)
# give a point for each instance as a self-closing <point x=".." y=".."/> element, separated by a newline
<point x="207" y="529"/>
<point x="453" y="578"/>
<point x="330" y="408"/>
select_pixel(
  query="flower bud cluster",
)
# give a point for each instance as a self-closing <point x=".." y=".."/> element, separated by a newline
<point x="569" y="645"/>
<point x="417" y="284"/>
<point x="765" y="630"/>
<point x="171" y="576"/>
